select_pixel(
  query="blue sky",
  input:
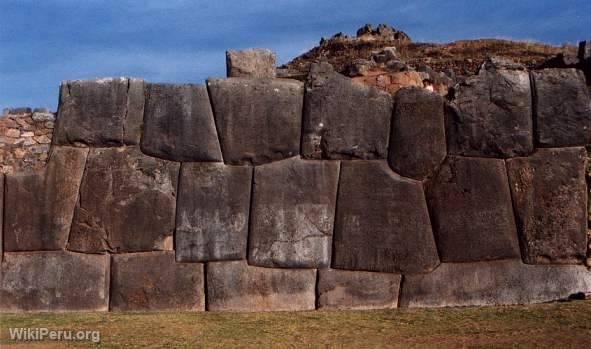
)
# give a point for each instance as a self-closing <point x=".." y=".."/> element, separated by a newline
<point x="45" y="41"/>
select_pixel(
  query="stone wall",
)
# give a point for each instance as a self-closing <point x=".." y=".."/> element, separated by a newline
<point x="251" y="194"/>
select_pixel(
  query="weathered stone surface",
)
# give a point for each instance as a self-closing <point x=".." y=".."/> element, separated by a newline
<point x="1" y="215"/>
<point x="154" y="281"/>
<point x="493" y="283"/>
<point x="212" y="212"/>
<point x="293" y="213"/>
<point x="470" y="205"/>
<point x="563" y="107"/>
<point x="235" y="286"/>
<point x="102" y="112"/>
<point x="417" y="141"/>
<point x="550" y="200"/>
<point x="490" y="114"/>
<point x="127" y="203"/>
<point x="54" y="281"/>
<point x="41" y="204"/>
<point x="344" y="119"/>
<point x="178" y="123"/>
<point x="342" y="289"/>
<point x="382" y="222"/>
<point x="258" y="120"/>
<point x="250" y="63"/>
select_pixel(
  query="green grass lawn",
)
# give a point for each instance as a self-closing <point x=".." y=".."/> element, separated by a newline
<point x="556" y="325"/>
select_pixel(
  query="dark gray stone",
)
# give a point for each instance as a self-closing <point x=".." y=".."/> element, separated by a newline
<point x="42" y="203"/>
<point x="342" y="289"/>
<point x="490" y="114"/>
<point x="102" y="112"/>
<point x="236" y="286"/>
<point x="470" y="205"/>
<point x="54" y="281"/>
<point x="382" y="222"/>
<point x="293" y="213"/>
<point x="250" y="63"/>
<point x="550" y="199"/>
<point x="585" y="50"/>
<point x="493" y="283"/>
<point x="344" y="119"/>
<point x="417" y="141"/>
<point x="154" y="281"/>
<point x="563" y="107"/>
<point x="178" y="123"/>
<point x="127" y="203"/>
<point x="212" y="212"/>
<point x="258" y="120"/>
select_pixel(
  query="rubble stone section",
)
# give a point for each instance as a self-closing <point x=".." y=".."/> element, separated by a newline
<point x="212" y="212"/>
<point x="417" y="140"/>
<point x="344" y="119"/>
<point x="40" y="205"/>
<point x="54" y="281"/>
<point x="178" y="123"/>
<point x="127" y="203"/>
<point x="470" y="205"/>
<point x="100" y="113"/>
<point x="493" y="283"/>
<point x="258" y="120"/>
<point x="550" y="199"/>
<point x="153" y="281"/>
<point x="250" y="63"/>
<point x="382" y="222"/>
<point x="236" y="286"/>
<point x="563" y="108"/>
<point x="360" y="290"/>
<point x="292" y="213"/>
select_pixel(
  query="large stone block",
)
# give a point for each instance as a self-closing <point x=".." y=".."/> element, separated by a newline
<point x="382" y="222"/>
<point x="250" y="63"/>
<point x="178" y="123"/>
<point x="490" y="114"/>
<point x="293" y="213"/>
<point x="154" y="281"/>
<point x="493" y="283"/>
<point x="54" y="281"/>
<point x="212" y="212"/>
<point x="102" y="112"/>
<point x="1" y="216"/>
<point x="343" y="289"/>
<point x="344" y="119"/>
<point x="258" y="120"/>
<point x="470" y="205"/>
<point x="563" y="107"/>
<point x="417" y="140"/>
<point x="550" y="200"/>
<point x="127" y="203"/>
<point x="40" y="205"/>
<point x="235" y="286"/>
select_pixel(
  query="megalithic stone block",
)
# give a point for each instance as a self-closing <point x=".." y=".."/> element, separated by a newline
<point x="382" y="221"/>
<point x="470" y="205"/>
<point x="1" y="216"/>
<point x="493" y="283"/>
<point x="343" y="289"/>
<point x="417" y="140"/>
<point x="178" y="123"/>
<point x="250" y="63"/>
<point x="490" y="114"/>
<point x="236" y="286"/>
<point x="41" y="204"/>
<point x="212" y="212"/>
<point x="344" y="119"/>
<point x="292" y="213"/>
<point x="127" y="203"/>
<point x="54" y="281"/>
<point x="258" y="120"/>
<point x="100" y="113"/>
<point x="154" y="281"/>
<point x="550" y="199"/>
<point x="563" y="107"/>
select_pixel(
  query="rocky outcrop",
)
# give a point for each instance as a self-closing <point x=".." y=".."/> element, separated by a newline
<point x="250" y="63"/>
